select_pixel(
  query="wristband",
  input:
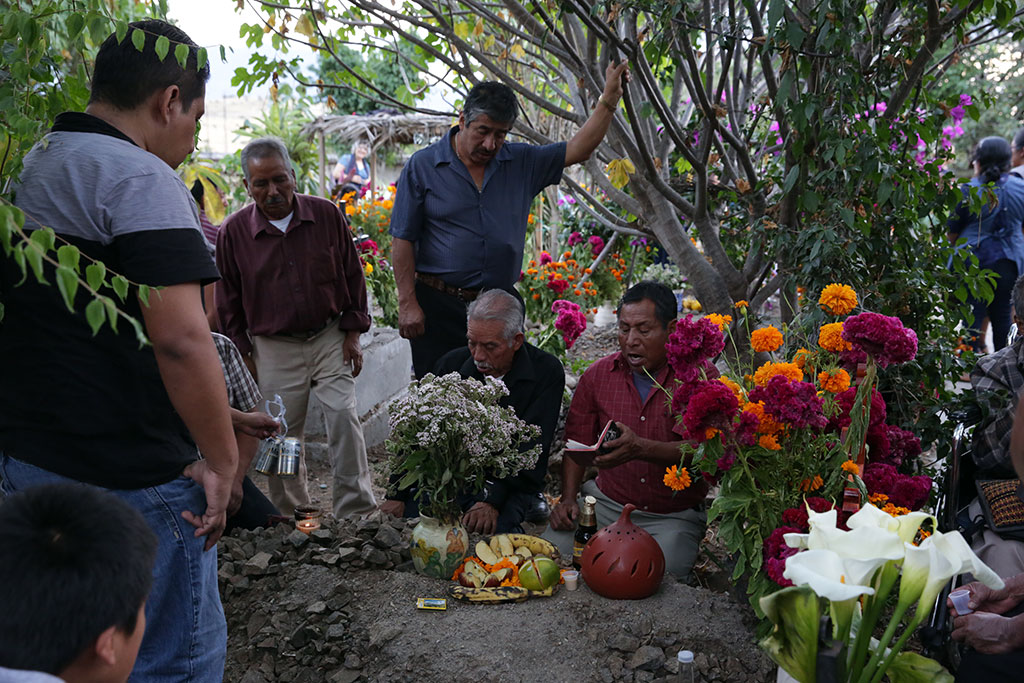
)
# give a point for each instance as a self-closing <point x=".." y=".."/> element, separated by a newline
<point x="602" y="100"/>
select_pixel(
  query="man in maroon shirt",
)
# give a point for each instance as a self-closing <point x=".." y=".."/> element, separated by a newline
<point x="619" y="387"/>
<point x="293" y="300"/>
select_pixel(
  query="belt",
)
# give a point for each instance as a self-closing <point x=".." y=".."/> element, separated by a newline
<point x="440" y="285"/>
<point x="309" y="334"/>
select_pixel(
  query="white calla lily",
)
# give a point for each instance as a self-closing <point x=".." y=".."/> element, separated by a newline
<point x="904" y="525"/>
<point x="925" y="571"/>
<point x="865" y="549"/>
<point x="815" y="520"/>
<point x="826" y="573"/>
<point x="954" y="547"/>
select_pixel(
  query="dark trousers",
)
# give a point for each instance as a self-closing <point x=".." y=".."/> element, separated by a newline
<point x="979" y="668"/>
<point x="999" y="310"/>
<point x="445" y="321"/>
<point x="255" y="510"/>
<point x="510" y="515"/>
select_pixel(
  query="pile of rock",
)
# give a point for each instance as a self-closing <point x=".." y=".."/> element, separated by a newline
<point x="294" y="636"/>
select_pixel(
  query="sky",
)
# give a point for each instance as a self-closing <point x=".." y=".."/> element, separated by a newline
<point x="212" y="23"/>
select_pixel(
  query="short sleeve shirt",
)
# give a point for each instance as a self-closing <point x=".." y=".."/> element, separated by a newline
<point x="93" y="407"/>
<point x="472" y="237"/>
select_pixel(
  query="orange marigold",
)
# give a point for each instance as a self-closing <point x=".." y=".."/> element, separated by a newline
<point x="830" y="338"/>
<point x="733" y="386"/>
<point x="850" y="467"/>
<point x="836" y="382"/>
<point x="895" y="510"/>
<point x="769" y="442"/>
<point x="769" y="370"/>
<point x="536" y="296"/>
<point x="878" y="499"/>
<point x="742" y="303"/>
<point x="814" y="484"/>
<point x="766" y="339"/>
<point x="800" y="357"/>
<point x="676" y="478"/>
<point x="720" y="320"/>
<point x="838" y="299"/>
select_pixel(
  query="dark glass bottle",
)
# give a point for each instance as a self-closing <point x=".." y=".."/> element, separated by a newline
<point x="586" y="529"/>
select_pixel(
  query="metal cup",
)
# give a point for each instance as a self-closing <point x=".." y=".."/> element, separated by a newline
<point x="288" y="458"/>
<point x="266" y="459"/>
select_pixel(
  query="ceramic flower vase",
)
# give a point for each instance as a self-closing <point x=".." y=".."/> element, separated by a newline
<point x="438" y="547"/>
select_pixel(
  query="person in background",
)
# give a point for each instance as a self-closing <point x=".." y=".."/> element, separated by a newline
<point x="76" y="567"/>
<point x="995" y="235"/>
<point x="352" y="172"/>
<point x="461" y="211"/>
<point x="621" y="387"/>
<point x="293" y="300"/>
<point x="1017" y="154"/>
<point x="210" y="233"/>
<point x="98" y="407"/>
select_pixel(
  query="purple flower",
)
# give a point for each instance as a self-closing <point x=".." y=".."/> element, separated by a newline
<point x="965" y="101"/>
<point x="746" y="428"/>
<point x="902" y="444"/>
<point x="692" y="342"/>
<point x="881" y="336"/>
<point x="596" y="244"/>
<point x="545" y="258"/>
<point x="794" y="403"/>
<point x="570" y="321"/>
<point x="727" y="460"/>
<point x="575" y="237"/>
<point x="712" y="405"/>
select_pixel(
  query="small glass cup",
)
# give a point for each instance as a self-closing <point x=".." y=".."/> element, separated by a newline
<point x="571" y="579"/>
<point x="307" y="518"/>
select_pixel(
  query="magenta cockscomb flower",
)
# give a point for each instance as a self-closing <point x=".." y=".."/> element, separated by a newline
<point x="545" y="258"/>
<point x="596" y="244"/>
<point x="575" y="237"/>
<point x="793" y="403"/>
<point x="712" y="406"/>
<point x="883" y="337"/>
<point x="692" y="342"/>
<point x="571" y="321"/>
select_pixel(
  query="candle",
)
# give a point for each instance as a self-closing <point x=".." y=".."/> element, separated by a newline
<point x="307" y="525"/>
<point x="307" y="518"/>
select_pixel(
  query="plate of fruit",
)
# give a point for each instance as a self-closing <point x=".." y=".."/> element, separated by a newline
<point x="508" y="568"/>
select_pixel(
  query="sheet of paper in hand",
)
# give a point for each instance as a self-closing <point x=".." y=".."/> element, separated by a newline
<point x="583" y="455"/>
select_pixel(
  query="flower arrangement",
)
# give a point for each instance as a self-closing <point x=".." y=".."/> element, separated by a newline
<point x="841" y="578"/>
<point x="449" y="434"/>
<point x="666" y="273"/>
<point x="372" y="216"/>
<point x="773" y="432"/>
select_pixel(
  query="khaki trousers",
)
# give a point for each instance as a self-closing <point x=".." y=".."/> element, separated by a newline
<point x="294" y="367"/>
<point x="678" y="533"/>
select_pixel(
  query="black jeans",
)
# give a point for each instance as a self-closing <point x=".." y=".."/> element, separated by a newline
<point x="998" y="311"/>
<point x="255" y="510"/>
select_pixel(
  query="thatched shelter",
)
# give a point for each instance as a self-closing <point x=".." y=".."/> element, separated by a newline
<point x="379" y="129"/>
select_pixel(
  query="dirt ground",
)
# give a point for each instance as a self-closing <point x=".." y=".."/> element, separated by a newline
<point x="309" y="617"/>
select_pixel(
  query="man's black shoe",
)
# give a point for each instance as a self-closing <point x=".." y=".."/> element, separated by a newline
<point x="538" y="511"/>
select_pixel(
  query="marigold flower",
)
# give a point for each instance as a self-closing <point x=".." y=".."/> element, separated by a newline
<point x="742" y="303"/>
<point x="721" y="320"/>
<point x="529" y="219"/>
<point x="710" y="433"/>
<point x="576" y="292"/>
<point x="895" y="510"/>
<point x="830" y="338"/>
<point x="814" y="484"/>
<point x="387" y="204"/>
<point x="878" y="499"/>
<point x="836" y="382"/>
<point x="588" y="271"/>
<point x="769" y="442"/>
<point x="800" y="357"/>
<point x="536" y="296"/>
<point x="567" y="254"/>
<point x="838" y="299"/>
<point x="789" y="370"/>
<point x="736" y="388"/>
<point x="677" y="478"/>
<point x="368" y="268"/>
<point x="766" y="423"/>
<point x="850" y="467"/>
<point x="766" y="339"/>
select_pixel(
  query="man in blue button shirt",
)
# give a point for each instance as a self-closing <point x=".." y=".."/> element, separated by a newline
<point x="460" y="215"/>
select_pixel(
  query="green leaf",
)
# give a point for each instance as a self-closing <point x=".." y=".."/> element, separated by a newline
<point x="163" y="44"/>
<point x="910" y="667"/>
<point x="68" y="256"/>
<point x="811" y="201"/>
<point x="75" y="23"/>
<point x="67" y="283"/>
<point x="793" y="643"/>
<point x="181" y="54"/>
<point x="138" y="39"/>
<point x="120" y="30"/>
<point x="95" y="313"/>
<point x="140" y="334"/>
<point x="45" y="238"/>
<point x="791" y="179"/>
<point x="95" y="273"/>
<point x="144" y="294"/>
<point x="111" y="307"/>
<point x="35" y="259"/>
<point x="223" y="54"/>
<point x="120" y="285"/>
<point x="201" y="58"/>
<point x="884" y="191"/>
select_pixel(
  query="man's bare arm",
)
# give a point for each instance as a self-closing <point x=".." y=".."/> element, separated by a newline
<point x="411" y="323"/>
<point x="192" y="376"/>
<point x="590" y="135"/>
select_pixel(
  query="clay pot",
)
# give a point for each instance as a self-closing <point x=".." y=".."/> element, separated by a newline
<point x="622" y="561"/>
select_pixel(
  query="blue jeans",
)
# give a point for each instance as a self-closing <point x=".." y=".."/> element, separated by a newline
<point x="186" y="635"/>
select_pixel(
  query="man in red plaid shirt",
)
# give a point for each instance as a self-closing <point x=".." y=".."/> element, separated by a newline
<point x="621" y="387"/>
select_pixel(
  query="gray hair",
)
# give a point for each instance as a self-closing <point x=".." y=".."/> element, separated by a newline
<point x="1018" y="297"/>
<point x="497" y="304"/>
<point x="262" y="148"/>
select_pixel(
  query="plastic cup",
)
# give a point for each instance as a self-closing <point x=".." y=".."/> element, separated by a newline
<point x="960" y="598"/>
<point x="571" y="579"/>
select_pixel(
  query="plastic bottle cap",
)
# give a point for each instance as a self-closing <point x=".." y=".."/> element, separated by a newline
<point x="685" y="657"/>
<point x="590" y="500"/>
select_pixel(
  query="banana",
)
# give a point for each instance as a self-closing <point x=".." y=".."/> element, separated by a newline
<point x="491" y="595"/>
<point x="537" y="545"/>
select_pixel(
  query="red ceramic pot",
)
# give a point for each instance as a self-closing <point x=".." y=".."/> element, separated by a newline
<point x="622" y="561"/>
